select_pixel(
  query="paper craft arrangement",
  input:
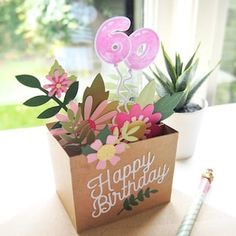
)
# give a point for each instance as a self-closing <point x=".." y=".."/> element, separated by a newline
<point x="111" y="159"/>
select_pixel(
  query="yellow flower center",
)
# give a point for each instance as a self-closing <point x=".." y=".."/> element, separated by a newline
<point x="58" y="85"/>
<point x="142" y="128"/>
<point x="106" y="152"/>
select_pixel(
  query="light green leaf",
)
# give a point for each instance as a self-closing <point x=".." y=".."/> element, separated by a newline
<point x="189" y="63"/>
<point x="133" y="130"/>
<point x="147" y="95"/>
<point x="58" y="67"/>
<point x="131" y="139"/>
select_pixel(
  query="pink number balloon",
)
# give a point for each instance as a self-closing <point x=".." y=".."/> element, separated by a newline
<point x="147" y="41"/>
<point x="111" y="45"/>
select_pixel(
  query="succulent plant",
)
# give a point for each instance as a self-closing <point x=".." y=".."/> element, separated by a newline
<point x="180" y="78"/>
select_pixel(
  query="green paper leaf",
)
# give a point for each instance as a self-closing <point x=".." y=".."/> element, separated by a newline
<point x="71" y="92"/>
<point x="126" y="205"/>
<point x="147" y="94"/>
<point x="68" y="138"/>
<point x="167" y="104"/>
<point x="87" y="150"/>
<point x="67" y="126"/>
<point x="91" y="137"/>
<point x="131" y="138"/>
<point x="29" y="81"/>
<point x="70" y="114"/>
<point x="103" y="134"/>
<point x="37" y="101"/>
<point x="132" y="200"/>
<point x="50" y="112"/>
<point x="58" y="67"/>
<point x="57" y="125"/>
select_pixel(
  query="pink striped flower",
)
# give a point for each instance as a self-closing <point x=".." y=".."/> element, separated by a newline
<point x="59" y="84"/>
<point x="106" y="152"/>
<point x="100" y="117"/>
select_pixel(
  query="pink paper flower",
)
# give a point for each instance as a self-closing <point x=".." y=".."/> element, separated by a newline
<point x="100" y="117"/>
<point x="59" y="84"/>
<point x="106" y="152"/>
<point x="141" y="117"/>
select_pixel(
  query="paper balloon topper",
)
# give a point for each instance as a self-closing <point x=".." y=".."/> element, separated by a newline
<point x="137" y="50"/>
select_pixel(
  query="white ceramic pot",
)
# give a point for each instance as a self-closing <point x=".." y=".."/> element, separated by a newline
<point x="188" y="125"/>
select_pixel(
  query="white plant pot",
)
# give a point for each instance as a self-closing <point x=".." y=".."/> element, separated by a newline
<point x="188" y="125"/>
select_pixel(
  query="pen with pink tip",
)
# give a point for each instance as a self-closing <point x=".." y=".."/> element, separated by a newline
<point x="190" y="218"/>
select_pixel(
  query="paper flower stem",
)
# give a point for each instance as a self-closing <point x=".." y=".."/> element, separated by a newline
<point x="60" y="103"/>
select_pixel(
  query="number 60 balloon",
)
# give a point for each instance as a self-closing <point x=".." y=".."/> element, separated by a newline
<point x="111" y="44"/>
<point x="137" y="50"/>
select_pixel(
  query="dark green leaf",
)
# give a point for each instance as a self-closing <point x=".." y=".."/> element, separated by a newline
<point x="132" y="200"/>
<point x="169" y="66"/>
<point x="103" y="134"/>
<point x="57" y="125"/>
<point x="87" y="150"/>
<point x="167" y="104"/>
<point x="50" y="112"/>
<point x="126" y="205"/>
<point x="37" y="101"/>
<point x="189" y="63"/>
<point x="71" y="92"/>
<point x="29" y="80"/>
<point x="178" y="65"/>
<point x="140" y="195"/>
<point x="147" y="193"/>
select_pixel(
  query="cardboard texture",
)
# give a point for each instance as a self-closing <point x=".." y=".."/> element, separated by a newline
<point x="141" y="180"/>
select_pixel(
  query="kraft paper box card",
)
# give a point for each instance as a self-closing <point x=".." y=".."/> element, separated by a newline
<point x="111" y="158"/>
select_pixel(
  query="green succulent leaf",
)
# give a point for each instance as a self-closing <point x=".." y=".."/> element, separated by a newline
<point x="67" y="126"/>
<point x="71" y="92"/>
<point x="197" y="84"/>
<point x="50" y="112"/>
<point x="169" y="66"/>
<point x="68" y="138"/>
<point x="178" y="65"/>
<point x="185" y="79"/>
<point x="29" y="81"/>
<point x="189" y="63"/>
<point x="37" y="101"/>
<point x="147" y="95"/>
<point x="167" y="104"/>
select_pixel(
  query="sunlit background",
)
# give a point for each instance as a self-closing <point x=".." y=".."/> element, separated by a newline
<point x="34" y="33"/>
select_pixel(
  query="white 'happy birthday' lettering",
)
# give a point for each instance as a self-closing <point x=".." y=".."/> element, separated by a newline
<point x="127" y="179"/>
